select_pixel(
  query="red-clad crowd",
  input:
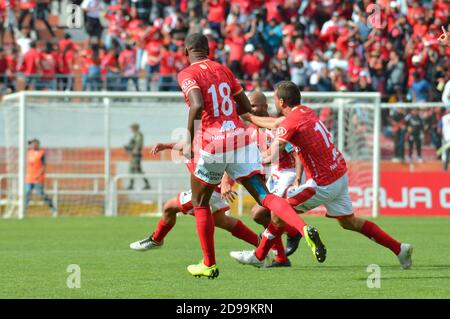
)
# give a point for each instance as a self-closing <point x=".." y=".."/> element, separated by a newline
<point x="322" y="45"/>
<point x="389" y="46"/>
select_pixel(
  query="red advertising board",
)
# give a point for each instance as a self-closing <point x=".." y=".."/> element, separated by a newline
<point x="406" y="193"/>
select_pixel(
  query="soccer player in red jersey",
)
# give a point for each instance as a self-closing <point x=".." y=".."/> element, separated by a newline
<point x="216" y="98"/>
<point x="324" y="163"/>
<point x="279" y="177"/>
<point x="183" y="203"/>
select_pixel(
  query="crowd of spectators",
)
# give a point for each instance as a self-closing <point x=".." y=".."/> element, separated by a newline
<point x="321" y="45"/>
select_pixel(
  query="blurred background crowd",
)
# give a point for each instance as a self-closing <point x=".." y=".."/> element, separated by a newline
<point x="321" y="45"/>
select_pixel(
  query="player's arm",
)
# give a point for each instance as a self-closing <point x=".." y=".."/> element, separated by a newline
<point x="243" y="103"/>
<point x="298" y="169"/>
<point x="196" y="108"/>
<point x="264" y="122"/>
<point x="165" y="146"/>
<point x="276" y="148"/>
<point x="226" y="188"/>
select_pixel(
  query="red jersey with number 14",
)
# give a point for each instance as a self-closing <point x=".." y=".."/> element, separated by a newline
<point x="319" y="156"/>
<point x="221" y="128"/>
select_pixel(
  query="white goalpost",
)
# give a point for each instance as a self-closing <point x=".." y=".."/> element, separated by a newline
<point x="84" y="133"/>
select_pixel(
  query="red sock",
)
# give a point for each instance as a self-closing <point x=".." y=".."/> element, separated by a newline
<point x="283" y="210"/>
<point x="268" y="239"/>
<point x="161" y="231"/>
<point x="278" y="249"/>
<point x="374" y="232"/>
<point x="205" y="230"/>
<point x="290" y="231"/>
<point x="243" y="232"/>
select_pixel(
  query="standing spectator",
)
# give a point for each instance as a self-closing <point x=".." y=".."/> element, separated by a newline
<point x="47" y="65"/>
<point x="30" y="66"/>
<point x="42" y="11"/>
<point x="35" y="176"/>
<point x="3" y="69"/>
<point x="11" y="70"/>
<point x="143" y="9"/>
<point x="167" y="70"/>
<point x="27" y="8"/>
<point x="444" y="127"/>
<point x="395" y="72"/>
<point x="446" y="93"/>
<point x="420" y="88"/>
<point x="414" y="126"/>
<point x="216" y="13"/>
<point x="153" y="50"/>
<point x="134" y="149"/>
<point x="92" y="71"/>
<point x="398" y="130"/>
<point x="92" y="21"/>
<point x="118" y="20"/>
<point x="110" y="63"/>
<point x="7" y="19"/>
<point x="236" y="43"/>
<point x="65" y="62"/>
<point x="127" y="64"/>
<point x="251" y="62"/>
<point x="321" y="82"/>
<point x="273" y="35"/>
<point x="431" y="123"/>
<point x="300" y="73"/>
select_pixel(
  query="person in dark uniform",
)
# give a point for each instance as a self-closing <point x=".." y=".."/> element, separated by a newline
<point x="134" y="149"/>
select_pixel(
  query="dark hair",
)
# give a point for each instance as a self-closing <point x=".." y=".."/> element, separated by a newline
<point x="48" y="47"/>
<point x="67" y="36"/>
<point x="197" y="42"/>
<point x="289" y="92"/>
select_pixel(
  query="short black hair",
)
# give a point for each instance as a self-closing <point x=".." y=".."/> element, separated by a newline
<point x="197" y="42"/>
<point x="289" y="92"/>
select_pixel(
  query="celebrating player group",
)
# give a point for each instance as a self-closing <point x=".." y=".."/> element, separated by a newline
<point x="268" y="157"/>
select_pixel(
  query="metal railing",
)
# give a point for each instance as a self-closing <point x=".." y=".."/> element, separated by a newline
<point x="55" y="190"/>
<point x="159" y="191"/>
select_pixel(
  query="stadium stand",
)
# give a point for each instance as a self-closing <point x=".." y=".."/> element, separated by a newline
<point x="385" y="46"/>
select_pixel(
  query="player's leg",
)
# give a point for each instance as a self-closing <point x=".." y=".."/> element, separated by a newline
<point x="236" y="227"/>
<point x="201" y="194"/>
<point x="278" y="183"/>
<point x="341" y="209"/>
<point x="262" y="216"/>
<point x="165" y="225"/>
<point x="372" y="231"/>
<point x="284" y="212"/>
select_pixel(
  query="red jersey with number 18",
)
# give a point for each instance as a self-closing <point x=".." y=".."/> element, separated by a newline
<point x="319" y="156"/>
<point x="221" y="128"/>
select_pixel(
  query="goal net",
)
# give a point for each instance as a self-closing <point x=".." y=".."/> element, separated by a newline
<point x="90" y="171"/>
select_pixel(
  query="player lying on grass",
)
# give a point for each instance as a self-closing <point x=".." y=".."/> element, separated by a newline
<point x="279" y="176"/>
<point x="328" y="181"/>
<point x="216" y="99"/>
<point x="183" y="203"/>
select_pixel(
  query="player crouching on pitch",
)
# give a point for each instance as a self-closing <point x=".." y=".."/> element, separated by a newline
<point x="327" y="170"/>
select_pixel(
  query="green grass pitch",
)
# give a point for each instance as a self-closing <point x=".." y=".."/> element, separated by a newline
<point x="35" y="253"/>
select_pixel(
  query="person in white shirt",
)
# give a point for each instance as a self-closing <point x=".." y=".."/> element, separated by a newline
<point x="444" y="127"/>
<point x="92" y="24"/>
